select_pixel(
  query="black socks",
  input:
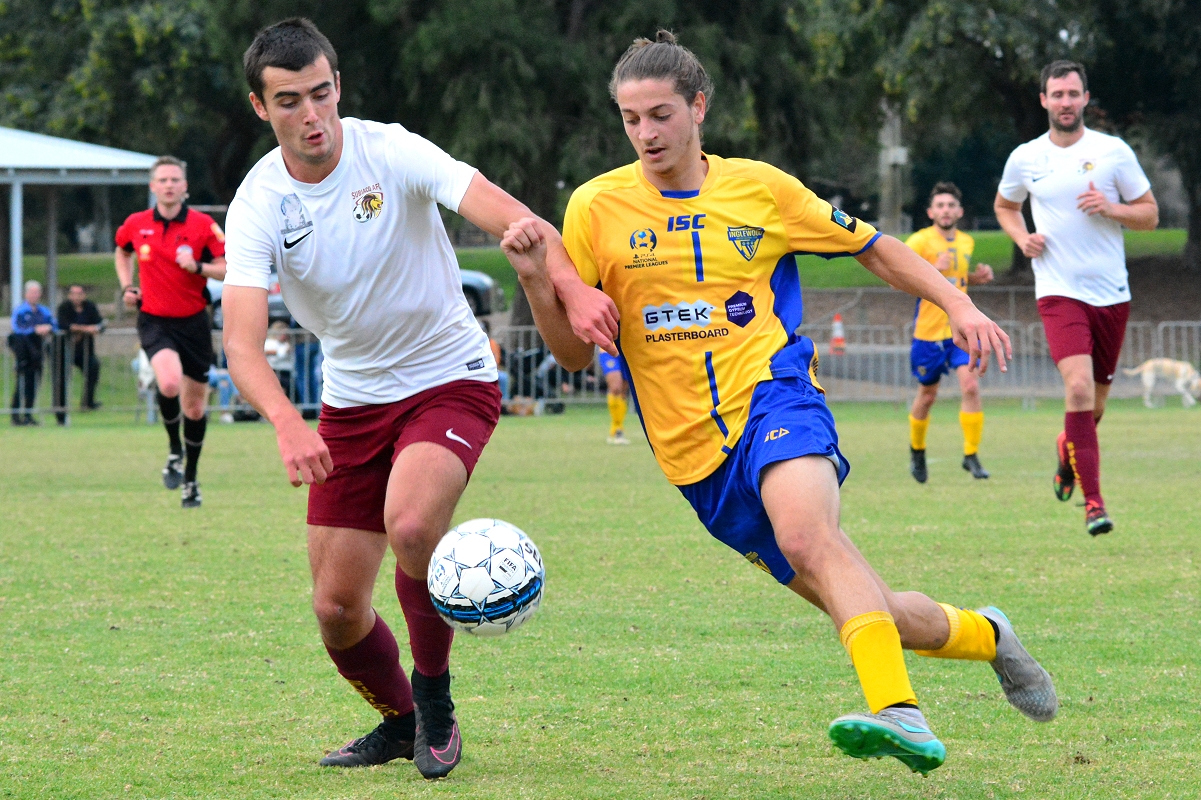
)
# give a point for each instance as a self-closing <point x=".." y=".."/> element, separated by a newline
<point x="168" y="408"/>
<point x="193" y="436"/>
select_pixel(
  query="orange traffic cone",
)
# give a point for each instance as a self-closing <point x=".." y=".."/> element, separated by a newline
<point x="838" y="337"/>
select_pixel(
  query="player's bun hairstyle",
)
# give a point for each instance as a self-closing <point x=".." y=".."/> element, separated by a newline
<point x="946" y="187"/>
<point x="663" y="59"/>
<point x="169" y="161"/>
<point x="290" y="44"/>
<point x="1061" y="69"/>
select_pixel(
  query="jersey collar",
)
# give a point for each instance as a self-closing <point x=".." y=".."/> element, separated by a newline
<point x="710" y="179"/>
<point x="181" y="217"/>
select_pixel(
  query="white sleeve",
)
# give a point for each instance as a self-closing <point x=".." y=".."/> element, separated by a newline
<point x="428" y="171"/>
<point x="1012" y="188"/>
<point x="249" y="246"/>
<point x="1131" y="180"/>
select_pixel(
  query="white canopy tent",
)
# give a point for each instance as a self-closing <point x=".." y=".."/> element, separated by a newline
<point x="35" y="159"/>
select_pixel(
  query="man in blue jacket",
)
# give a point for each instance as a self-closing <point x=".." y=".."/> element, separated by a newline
<point x="31" y="322"/>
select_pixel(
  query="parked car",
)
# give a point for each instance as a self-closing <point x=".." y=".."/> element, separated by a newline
<point x="484" y="296"/>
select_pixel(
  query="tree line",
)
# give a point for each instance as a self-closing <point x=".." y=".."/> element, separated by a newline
<point x="519" y="87"/>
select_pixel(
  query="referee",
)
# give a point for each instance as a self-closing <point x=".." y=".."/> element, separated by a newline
<point x="177" y="249"/>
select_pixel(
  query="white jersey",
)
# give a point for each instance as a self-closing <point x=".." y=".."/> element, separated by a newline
<point x="1085" y="257"/>
<point x="364" y="263"/>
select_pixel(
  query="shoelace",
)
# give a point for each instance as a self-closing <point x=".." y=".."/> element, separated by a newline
<point x="374" y="740"/>
<point x="436" y="716"/>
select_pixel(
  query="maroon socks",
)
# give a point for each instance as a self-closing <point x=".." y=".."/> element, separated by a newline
<point x="373" y="668"/>
<point x="1084" y="452"/>
<point x="429" y="636"/>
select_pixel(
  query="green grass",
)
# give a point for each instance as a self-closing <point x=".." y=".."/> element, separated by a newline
<point x="96" y="272"/>
<point x="154" y="653"/>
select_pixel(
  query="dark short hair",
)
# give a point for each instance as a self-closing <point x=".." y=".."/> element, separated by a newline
<point x="946" y="187"/>
<point x="290" y="44"/>
<point x="169" y="161"/>
<point x="1061" y="69"/>
<point x="663" y="59"/>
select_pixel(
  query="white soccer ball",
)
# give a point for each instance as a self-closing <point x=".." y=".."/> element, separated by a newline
<point x="486" y="577"/>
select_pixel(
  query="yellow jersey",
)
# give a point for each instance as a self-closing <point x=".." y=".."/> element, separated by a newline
<point x="710" y="299"/>
<point x="930" y="323"/>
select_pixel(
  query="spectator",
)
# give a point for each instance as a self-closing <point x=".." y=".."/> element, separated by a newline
<point x="306" y="371"/>
<point x="278" y="349"/>
<point x="31" y="321"/>
<point x="79" y="316"/>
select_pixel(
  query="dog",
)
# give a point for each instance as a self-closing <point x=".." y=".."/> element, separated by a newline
<point x="1186" y="379"/>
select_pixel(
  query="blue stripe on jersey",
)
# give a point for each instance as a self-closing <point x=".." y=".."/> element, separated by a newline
<point x="721" y="424"/>
<point x="696" y="254"/>
<point x="788" y="305"/>
<point x="829" y="256"/>
<point x="683" y="194"/>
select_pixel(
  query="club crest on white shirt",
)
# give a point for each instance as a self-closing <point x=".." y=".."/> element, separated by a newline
<point x="295" y="218"/>
<point x="368" y="203"/>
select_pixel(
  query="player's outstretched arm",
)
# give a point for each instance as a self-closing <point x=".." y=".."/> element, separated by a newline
<point x="525" y="245"/>
<point x="898" y="266"/>
<point x="303" y="452"/>
<point x="593" y="316"/>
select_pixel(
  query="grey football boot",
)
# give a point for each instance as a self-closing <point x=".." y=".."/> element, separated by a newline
<point x="1027" y="685"/>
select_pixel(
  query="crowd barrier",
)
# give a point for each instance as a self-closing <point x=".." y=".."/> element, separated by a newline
<point x="872" y="366"/>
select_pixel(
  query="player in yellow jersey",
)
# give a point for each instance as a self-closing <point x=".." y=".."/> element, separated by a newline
<point x="698" y="254"/>
<point x="615" y="395"/>
<point x="934" y="352"/>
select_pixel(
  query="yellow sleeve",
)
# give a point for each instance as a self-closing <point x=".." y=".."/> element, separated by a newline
<point x="968" y="247"/>
<point x="815" y="226"/>
<point x="577" y="236"/>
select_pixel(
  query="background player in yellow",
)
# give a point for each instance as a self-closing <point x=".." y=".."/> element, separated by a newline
<point x="933" y="352"/>
<point x="698" y="253"/>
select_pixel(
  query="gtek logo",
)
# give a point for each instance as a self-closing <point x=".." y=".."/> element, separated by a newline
<point x="677" y="315"/>
<point x="778" y="433"/>
<point x="685" y="222"/>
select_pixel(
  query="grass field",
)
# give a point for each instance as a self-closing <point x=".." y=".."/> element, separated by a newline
<point x="992" y="247"/>
<point x="156" y="653"/>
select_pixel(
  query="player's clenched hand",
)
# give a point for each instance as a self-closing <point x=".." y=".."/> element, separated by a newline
<point x="943" y="262"/>
<point x="1033" y="245"/>
<point x="1094" y="202"/>
<point x="979" y="336"/>
<point x="304" y="454"/>
<point x="525" y="247"/>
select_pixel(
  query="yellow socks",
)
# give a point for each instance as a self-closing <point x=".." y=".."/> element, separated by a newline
<point x="617" y="413"/>
<point x="972" y="637"/>
<point x="917" y="432"/>
<point x="875" y="647"/>
<point x="973" y="430"/>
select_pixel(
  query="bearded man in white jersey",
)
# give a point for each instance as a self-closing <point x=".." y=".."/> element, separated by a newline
<point x="346" y="211"/>
<point x="1084" y="187"/>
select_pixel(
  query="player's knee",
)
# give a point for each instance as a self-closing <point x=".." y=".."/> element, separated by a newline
<point x="412" y="539"/>
<point x="334" y="613"/>
<point x="811" y="550"/>
<point x="168" y="385"/>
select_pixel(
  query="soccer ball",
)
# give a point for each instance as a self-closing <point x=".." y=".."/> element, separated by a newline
<point x="486" y="577"/>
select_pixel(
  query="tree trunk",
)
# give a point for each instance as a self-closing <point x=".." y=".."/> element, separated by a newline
<point x="1192" y="248"/>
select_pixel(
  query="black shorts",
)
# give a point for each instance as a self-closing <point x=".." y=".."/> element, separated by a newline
<point x="191" y="337"/>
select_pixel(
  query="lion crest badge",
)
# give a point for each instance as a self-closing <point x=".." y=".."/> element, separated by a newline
<point x="368" y="206"/>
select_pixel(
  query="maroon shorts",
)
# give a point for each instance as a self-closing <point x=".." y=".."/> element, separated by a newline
<point x="363" y="442"/>
<point x="1074" y="328"/>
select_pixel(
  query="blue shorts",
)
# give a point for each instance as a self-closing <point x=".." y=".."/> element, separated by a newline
<point x="608" y="363"/>
<point x="929" y="361"/>
<point x="788" y="419"/>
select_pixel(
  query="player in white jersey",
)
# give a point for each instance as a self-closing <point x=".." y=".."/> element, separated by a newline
<point x="345" y="211"/>
<point x="1084" y="186"/>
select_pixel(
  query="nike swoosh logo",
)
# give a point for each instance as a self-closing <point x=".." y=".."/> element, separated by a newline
<point x="289" y="245"/>
<point x="1039" y="178"/>
<point x="454" y="437"/>
<point x="453" y="743"/>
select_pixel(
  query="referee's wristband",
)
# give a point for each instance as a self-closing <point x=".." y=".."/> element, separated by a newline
<point x="129" y="288"/>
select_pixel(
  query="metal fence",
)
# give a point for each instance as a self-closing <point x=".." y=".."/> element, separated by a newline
<point x="874" y="365"/>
